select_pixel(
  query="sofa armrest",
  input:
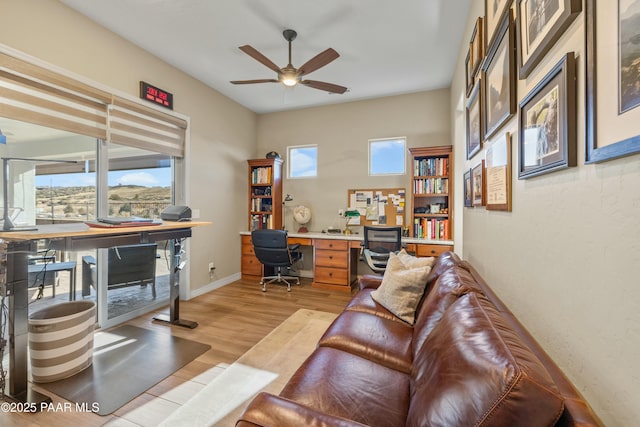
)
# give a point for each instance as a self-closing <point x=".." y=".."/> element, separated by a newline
<point x="270" y="410"/>
<point x="370" y="281"/>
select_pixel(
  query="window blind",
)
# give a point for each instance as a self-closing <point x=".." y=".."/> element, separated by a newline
<point x="138" y="126"/>
<point x="34" y="94"/>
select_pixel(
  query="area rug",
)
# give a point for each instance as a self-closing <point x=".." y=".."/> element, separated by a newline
<point x="127" y="361"/>
<point x="267" y="366"/>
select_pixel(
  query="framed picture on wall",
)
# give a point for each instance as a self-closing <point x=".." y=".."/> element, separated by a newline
<point x="547" y="139"/>
<point x="498" y="174"/>
<point x="478" y="185"/>
<point x="540" y="23"/>
<point x="474" y="120"/>
<point x="499" y="79"/>
<point x="477" y="46"/>
<point x="468" y="73"/>
<point x="494" y="11"/>
<point x="466" y="179"/>
<point x="611" y="124"/>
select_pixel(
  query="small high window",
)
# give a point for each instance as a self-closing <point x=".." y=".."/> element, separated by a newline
<point x="387" y="156"/>
<point x="302" y="161"/>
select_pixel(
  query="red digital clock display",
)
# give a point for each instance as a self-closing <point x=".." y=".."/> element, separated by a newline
<point x="156" y="95"/>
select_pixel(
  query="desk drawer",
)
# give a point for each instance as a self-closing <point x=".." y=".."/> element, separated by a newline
<point x="335" y="245"/>
<point x="302" y="241"/>
<point x="334" y="276"/>
<point x="248" y="250"/>
<point x="251" y="266"/>
<point x="336" y="259"/>
<point x="432" y="250"/>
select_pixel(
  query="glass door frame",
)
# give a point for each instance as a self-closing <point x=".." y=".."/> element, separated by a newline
<point x="102" y="209"/>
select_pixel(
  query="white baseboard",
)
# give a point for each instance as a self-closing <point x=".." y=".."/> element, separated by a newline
<point x="213" y="285"/>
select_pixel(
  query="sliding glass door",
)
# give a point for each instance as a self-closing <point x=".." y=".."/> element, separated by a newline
<point x="139" y="184"/>
<point x="57" y="177"/>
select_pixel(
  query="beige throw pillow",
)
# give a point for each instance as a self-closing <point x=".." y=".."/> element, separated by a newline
<point x="401" y="288"/>
<point x="411" y="261"/>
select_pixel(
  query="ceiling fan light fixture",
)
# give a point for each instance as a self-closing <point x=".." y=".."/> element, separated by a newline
<point x="288" y="81"/>
<point x="289" y="78"/>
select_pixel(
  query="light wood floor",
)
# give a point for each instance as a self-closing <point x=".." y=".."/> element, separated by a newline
<point x="231" y="320"/>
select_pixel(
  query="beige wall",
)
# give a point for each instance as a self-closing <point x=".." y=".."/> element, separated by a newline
<point x="342" y="132"/>
<point x="566" y="259"/>
<point x="222" y="131"/>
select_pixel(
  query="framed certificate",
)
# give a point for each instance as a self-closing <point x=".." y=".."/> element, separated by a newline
<point x="498" y="174"/>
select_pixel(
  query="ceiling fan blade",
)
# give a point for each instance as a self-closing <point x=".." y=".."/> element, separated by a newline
<point x="252" y="52"/>
<point x="318" y="61"/>
<point x="329" y="87"/>
<point x="248" y="82"/>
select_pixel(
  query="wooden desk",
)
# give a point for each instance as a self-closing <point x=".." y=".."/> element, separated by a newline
<point x="16" y="246"/>
<point x="335" y="256"/>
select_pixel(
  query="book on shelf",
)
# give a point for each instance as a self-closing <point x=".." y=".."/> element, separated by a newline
<point x="261" y="205"/>
<point x="431" y="186"/>
<point x="432" y="166"/>
<point x="261" y="175"/>
<point x="261" y="221"/>
<point x="431" y="228"/>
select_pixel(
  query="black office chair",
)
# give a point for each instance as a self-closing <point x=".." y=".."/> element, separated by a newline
<point x="272" y="250"/>
<point x="378" y="243"/>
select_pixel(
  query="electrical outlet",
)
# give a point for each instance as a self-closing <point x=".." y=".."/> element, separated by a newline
<point x="211" y="267"/>
<point x="340" y="212"/>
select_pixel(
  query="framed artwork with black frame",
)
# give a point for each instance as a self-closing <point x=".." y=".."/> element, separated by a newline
<point x="466" y="179"/>
<point x="547" y="128"/>
<point x="498" y="174"/>
<point x="540" y="23"/>
<point x="494" y="11"/>
<point x="499" y="79"/>
<point x="474" y="111"/>
<point x="611" y="127"/>
<point x="478" y="185"/>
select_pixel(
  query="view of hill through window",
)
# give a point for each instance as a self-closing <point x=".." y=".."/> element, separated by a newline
<point x="72" y="197"/>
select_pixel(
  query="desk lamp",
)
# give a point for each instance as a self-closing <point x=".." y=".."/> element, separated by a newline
<point x="7" y="223"/>
<point x="348" y="215"/>
<point x="287" y="198"/>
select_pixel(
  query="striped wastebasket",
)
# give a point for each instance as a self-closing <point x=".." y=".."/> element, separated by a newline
<point x="61" y="340"/>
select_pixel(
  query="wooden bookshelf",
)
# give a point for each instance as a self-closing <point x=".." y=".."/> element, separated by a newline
<point x="431" y="184"/>
<point x="265" y="194"/>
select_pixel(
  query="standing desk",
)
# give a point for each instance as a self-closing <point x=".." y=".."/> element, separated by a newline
<point x="17" y="245"/>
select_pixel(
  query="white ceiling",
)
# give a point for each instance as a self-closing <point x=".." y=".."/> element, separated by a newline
<point x="386" y="47"/>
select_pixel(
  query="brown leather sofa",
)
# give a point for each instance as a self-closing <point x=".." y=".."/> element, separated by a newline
<point x="466" y="361"/>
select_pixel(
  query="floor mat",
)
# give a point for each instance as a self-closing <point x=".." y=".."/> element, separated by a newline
<point x="127" y="361"/>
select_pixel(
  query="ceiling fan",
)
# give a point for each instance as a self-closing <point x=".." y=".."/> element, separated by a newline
<point x="291" y="76"/>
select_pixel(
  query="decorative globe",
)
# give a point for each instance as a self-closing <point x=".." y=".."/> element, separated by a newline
<point x="302" y="215"/>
